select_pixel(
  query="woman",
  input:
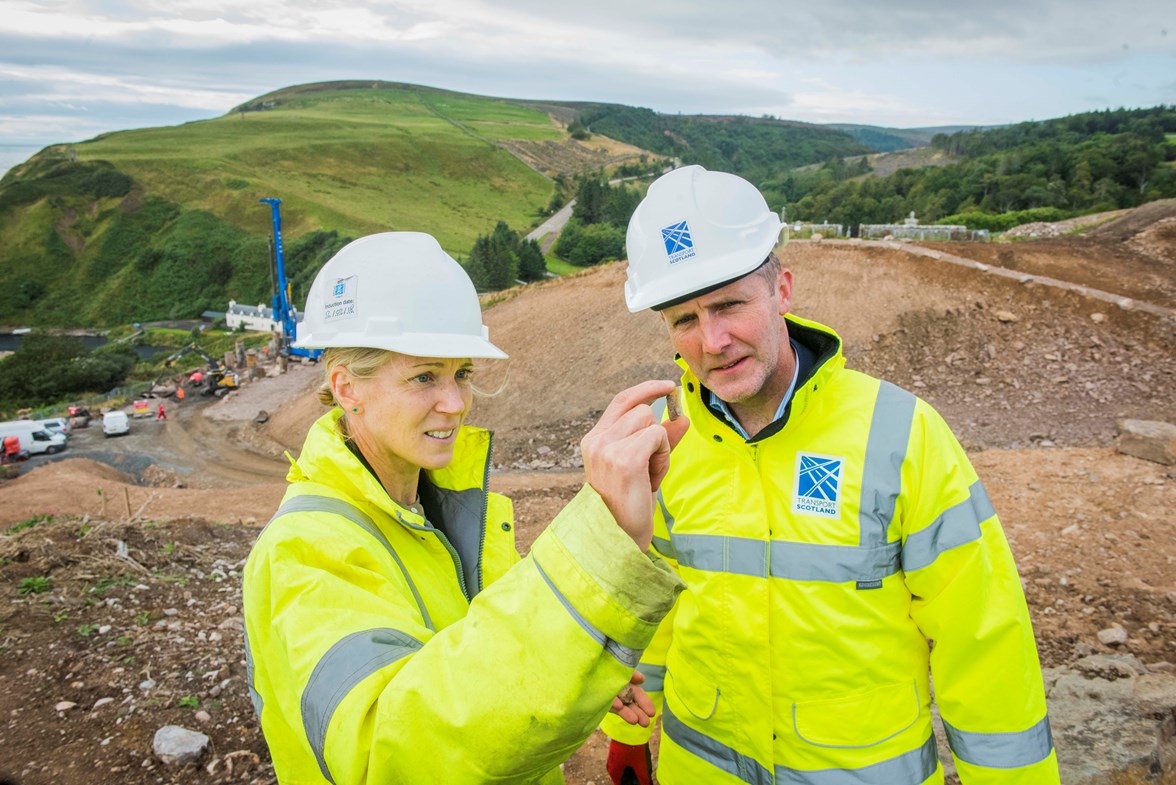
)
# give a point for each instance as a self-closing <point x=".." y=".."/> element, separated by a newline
<point x="392" y="633"/>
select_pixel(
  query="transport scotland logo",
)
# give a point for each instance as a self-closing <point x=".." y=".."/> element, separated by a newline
<point x="818" y="485"/>
<point x="679" y="242"/>
<point x="342" y="304"/>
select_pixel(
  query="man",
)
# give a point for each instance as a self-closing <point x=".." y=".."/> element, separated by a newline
<point x="837" y="546"/>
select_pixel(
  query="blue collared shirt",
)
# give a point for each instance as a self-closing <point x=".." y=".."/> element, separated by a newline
<point x="720" y="406"/>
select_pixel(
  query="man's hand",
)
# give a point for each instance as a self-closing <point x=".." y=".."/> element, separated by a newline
<point x="627" y="454"/>
<point x="632" y="704"/>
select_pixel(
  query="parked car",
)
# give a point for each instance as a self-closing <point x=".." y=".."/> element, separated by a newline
<point x="33" y="436"/>
<point x="57" y="425"/>
<point x="114" y="423"/>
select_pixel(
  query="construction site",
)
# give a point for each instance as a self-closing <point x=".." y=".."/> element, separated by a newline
<point x="121" y="558"/>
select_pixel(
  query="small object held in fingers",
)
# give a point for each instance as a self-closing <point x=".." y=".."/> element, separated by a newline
<point x="673" y="407"/>
<point x="627" y="697"/>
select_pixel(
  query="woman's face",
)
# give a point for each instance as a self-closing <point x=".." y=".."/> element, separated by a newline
<point x="410" y="411"/>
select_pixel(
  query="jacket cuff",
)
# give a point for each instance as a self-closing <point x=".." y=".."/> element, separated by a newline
<point x="598" y="568"/>
<point x="619" y="730"/>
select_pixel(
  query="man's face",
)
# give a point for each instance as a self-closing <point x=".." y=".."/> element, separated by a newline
<point x="734" y="338"/>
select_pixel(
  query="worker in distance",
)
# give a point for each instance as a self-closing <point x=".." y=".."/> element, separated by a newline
<point x="392" y="633"/>
<point x="837" y="546"/>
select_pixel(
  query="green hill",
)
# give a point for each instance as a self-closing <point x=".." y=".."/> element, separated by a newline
<point x="164" y="222"/>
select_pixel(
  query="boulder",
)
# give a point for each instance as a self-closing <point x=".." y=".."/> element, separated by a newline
<point x="1102" y="727"/>
<point x="1150" y="440"/>
<point x="177" y="746"/>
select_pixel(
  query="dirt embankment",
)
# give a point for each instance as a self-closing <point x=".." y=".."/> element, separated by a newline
<point x="121" y="613"/>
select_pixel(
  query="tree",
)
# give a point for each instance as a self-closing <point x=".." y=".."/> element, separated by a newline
<point x="532" y="265"/>
<point x="501" y="258"/>
<point x="48" y="367"/>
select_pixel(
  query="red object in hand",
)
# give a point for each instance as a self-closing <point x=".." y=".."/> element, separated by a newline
<point x="629" y="764"/>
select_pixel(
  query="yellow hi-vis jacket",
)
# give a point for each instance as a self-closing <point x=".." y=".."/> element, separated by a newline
<point x="832" y="563"/>
<point x="386" y="648"/>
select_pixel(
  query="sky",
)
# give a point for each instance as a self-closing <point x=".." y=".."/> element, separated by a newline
<point x="72" y="69"/>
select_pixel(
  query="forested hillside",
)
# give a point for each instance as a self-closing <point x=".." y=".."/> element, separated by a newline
<point x="756" y="148"/>
<point x="1064" y="167"/>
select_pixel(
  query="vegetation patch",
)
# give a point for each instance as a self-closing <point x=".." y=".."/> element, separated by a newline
<point x="1075" y="165"/>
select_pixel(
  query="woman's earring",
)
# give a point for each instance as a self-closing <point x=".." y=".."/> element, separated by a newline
<point x="355" y="409"/>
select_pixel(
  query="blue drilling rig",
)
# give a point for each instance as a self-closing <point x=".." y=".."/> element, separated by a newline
<point x="284" y="311"/>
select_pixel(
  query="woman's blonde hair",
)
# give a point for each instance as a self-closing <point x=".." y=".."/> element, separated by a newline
<point x="361" y="362"/>
<point x="365" y="363"/>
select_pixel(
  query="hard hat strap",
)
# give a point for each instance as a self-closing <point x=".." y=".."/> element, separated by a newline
<point x="709" y="289"/>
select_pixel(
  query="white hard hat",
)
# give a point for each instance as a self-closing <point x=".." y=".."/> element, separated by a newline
<point x="693" y="232"/>
<point x="397" y="291"/>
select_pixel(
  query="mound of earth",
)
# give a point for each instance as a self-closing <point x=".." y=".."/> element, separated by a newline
<point x="1136" y="221"/>
<point x="83" y="487"/>
<point x="1008" y="363"/>
<point x="1132" y="256"/>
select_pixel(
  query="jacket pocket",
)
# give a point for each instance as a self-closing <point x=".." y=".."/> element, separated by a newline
<point x="689" y="690"/>
<point x="859" y="720"/>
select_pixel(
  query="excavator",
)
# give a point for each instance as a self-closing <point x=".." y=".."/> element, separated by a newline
<point x="220" y="380"/>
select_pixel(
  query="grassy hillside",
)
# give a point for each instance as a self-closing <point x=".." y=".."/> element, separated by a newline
<point x="353" y="160"/>
<point x="164" y="222"/>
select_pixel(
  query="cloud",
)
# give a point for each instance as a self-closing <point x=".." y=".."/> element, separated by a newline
<point x="112" y="64"/>
<point x="1064" y="31"/>
<point x="58" y="85"/>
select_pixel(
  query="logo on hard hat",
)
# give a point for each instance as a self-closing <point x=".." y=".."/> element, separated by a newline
<point x="679" y="242"/>
<point x="818" y="485"/>
<point x="341" y="304"/>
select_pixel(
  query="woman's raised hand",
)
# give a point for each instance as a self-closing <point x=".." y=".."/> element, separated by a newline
<point x="627" y="453"/>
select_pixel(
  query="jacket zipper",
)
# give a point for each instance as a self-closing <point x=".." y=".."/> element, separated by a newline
<point x="429" y="527"/>
<point x="456" y="560"/>
<point x="485" y="506"/>
<point x="440" y="535"/>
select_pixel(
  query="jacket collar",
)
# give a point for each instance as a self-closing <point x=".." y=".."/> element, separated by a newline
<point x="822" y="341"/>
<point x="325" y="459"/>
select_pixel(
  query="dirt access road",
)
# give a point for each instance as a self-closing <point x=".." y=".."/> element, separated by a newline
<point x="139" y="622"/>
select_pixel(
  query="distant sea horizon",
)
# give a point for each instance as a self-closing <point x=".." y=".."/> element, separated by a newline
<point x="13" y="153"/>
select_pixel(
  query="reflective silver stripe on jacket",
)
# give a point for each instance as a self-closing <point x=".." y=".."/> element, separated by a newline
<point x="909" y="768"/>
<point x="345" y="665"/>
<point x="797" y="561"/>
<point x="254" y="695"/>
<point x="655" y="677"/>
<point x="624" y="654"/>
<point x="1002" y="750"/>
<point x="663" y="546"/>
<point x="890" y="432"/>
<point x="958" y="525"/>
<point x="313" y="503"/>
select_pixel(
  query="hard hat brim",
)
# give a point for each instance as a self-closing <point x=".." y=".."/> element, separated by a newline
<point x="417" y="345"/>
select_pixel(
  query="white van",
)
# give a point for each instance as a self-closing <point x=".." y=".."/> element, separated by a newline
<point x="114" y="423"/>
<point x="33" y="436"/>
